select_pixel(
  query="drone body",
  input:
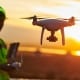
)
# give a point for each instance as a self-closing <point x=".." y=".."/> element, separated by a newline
<point x="52" y="25"/>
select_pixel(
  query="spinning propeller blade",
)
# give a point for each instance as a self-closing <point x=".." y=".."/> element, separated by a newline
<point x="41" y="18"/>
<point x="27" y="18"/>
<point x="32" y="17"/>
<point x="69" y="19"/>
<point x="75" y="19"/>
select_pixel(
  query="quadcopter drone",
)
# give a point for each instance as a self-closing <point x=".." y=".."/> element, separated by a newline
<point x="52" y="25"/>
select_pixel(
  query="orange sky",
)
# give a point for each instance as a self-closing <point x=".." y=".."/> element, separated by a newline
<point x="23" y="30"/>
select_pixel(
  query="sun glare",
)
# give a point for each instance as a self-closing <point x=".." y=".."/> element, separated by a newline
<point x="53" y="51"/>
<point x="73" y="32"/>
<point x="76" y="53"/>
<point x="29" y="49"/>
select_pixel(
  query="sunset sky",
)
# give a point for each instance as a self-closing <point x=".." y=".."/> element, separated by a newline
<point x="27" y="34"/>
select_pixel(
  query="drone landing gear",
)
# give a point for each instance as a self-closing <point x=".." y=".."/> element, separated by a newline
<point x="52" y="38"/>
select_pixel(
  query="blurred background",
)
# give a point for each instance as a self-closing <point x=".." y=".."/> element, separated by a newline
<point x="17" y="30"/>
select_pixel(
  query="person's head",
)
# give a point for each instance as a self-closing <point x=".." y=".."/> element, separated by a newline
<point x="2" y="17"/>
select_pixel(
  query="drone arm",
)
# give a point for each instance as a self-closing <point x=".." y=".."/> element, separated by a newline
<point x="42" y="35"/>
<point x="63" y="36"/>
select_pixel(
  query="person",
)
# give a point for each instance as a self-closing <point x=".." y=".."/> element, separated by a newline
<point x="3" y="52"/>
<point x="4" y="75"/>
<point x="2" y="17"/>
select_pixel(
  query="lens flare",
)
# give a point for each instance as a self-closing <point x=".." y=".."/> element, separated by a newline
<point x="76" y="53"/>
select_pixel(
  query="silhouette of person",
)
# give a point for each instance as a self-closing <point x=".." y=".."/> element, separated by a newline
<point x="2" y="17"/>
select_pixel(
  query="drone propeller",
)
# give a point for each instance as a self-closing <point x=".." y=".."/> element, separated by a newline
<point x="41" y="18"/>
<point x="27" y="18"/>
<point x="68" y="19"/>
<point x="33" y="17"/>
<point x="75" y="19"/>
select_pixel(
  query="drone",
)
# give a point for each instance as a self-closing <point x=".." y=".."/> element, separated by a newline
<point x="52" y="25"/>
